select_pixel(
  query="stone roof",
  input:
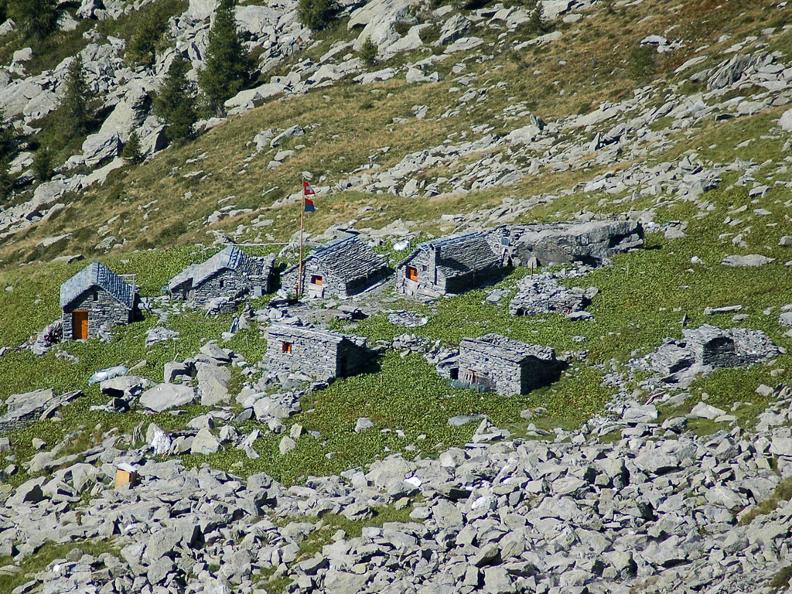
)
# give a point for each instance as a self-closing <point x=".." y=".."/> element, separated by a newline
<point x="349" y="258"/>
<point x="514" y="351"/>
<point x="100" y="276"/>
<point x="459" y="254"/>
<point x="229" y="258"/>
<point x="317" y="334"/>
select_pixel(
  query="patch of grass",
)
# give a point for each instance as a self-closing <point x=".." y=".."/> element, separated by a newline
<point x="782" y="493"/>
<point x="326" y="526"/>
<point x="407" y="395"/>
<point x="782" y="579"/>
<point x="46" y="555"/>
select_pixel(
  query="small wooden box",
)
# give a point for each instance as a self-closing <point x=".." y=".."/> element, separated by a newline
<point x="126" y="476"/>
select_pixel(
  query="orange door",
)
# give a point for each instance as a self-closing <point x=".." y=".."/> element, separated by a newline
<point x="80" y="325"/>
<point x="412" y="273"/>
<point x="317" y="280"/>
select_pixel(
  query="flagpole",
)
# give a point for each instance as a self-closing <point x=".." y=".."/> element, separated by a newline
<point x="300" y="272"/>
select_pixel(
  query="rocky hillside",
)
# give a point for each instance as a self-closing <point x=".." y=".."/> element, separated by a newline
<point x="659" y="461"/>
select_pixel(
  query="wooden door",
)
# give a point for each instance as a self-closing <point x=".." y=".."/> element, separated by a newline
<point x="80" y="325"/>
<point x="412" y="273"/>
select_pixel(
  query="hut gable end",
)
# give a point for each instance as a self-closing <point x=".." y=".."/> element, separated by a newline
<point x="342" y="268"/>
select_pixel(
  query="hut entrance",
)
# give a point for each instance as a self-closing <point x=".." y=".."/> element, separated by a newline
<point x="317" y="279"/>
<point x="286" y="347"/>
<point x="80" y="325"/>
<point x="412" y="273"/>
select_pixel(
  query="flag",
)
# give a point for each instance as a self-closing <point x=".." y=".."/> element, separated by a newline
<point x="308" y="194"/>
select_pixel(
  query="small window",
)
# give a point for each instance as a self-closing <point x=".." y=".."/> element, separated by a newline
<point x="411" y="273"/>
<point x="222" y="283"/>
<point x="317" y="279"/>
<point x="286" y="347"/>
<point x="95" y="295"/>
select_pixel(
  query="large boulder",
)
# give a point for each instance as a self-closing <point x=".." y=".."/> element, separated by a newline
<point x="213" y="383"/>
<point x="454" y="28"/>
<point x="17" y="95"/>
<point x="128" y="115"/>
<point x="204" y="443"/>
<point x="166" y="396"/>
<point x="379" y="20"/>
<point x="590" y="243"/>
<point x="99" y="147"/>
<point x="250" y="98"/>
<point x="201" y="10"/>
<point x="23" y="406"/>
<point x="785" y="121"/>
<point x="257" y="21"/>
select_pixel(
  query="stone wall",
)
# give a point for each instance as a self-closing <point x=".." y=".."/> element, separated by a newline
<point x="590" y="243"/>
<point x="347" y="268"/>
<point x="317" y="354"/>
<point x="505" y="376"/>
<point x="507" y="366"/>
<point x="450" y="268"/>
<point x="104" y="311"/>
<point x="233" y="284"/>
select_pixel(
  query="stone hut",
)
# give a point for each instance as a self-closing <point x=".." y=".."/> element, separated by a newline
<point x="94" y="300"/>
<point x="315" y="353"/>
<point x="228" y="275"/>
<point x="342" y="268"/>
<point x="592" y="243"/>
<point x="506" y="366"/>
<point x="449" y="265"/>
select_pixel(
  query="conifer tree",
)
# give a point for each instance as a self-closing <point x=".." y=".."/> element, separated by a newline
<point x="315" y="14"/>
<point x="132" y="150"/>
<point x="42" y="164"/>
<point x="174" y="102"/>
<point x="74" y="107"/>
<point x="7" y="138"/>
<point x="147" y="36"/>
<point x="35" y="18"/>
<point x="6" y="181"/>
<point x="228" y="66"/>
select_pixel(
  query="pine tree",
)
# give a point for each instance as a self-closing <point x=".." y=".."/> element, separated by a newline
<point x="7" y="138"/>
<point x="74" y="107"/>
<point x="35" y="18"/>
<point x="315" y="14"/>
<point x="148" y="35"/>
<point x="368" y="52"/>
<point x="174" y="102"/>
<point x="6" y="181"/>
<point x="228" y="66"/>
<point x="42" y="164"/>
<point x="132" y="150"/>
<point x="536" y="22"/>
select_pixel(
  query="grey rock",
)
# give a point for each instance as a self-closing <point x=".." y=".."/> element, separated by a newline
<point x="362" y="424"/>
<point x="166" y="396"/>
<point x="703" y="410"/>
<point x="204" y="443"/>
<point x="750" y="260"/>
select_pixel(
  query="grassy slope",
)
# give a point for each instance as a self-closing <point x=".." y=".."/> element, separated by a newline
<point x="642" y="296"/>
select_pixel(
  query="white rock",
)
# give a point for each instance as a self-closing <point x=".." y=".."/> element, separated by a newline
<point x="785" y="121"/>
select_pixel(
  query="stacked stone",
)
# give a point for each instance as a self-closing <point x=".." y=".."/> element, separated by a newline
<point x="509" y="366"/>
<point x="313" y="353"/>
<point x="450" y="265"/>
<point x="347" y="267"/>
